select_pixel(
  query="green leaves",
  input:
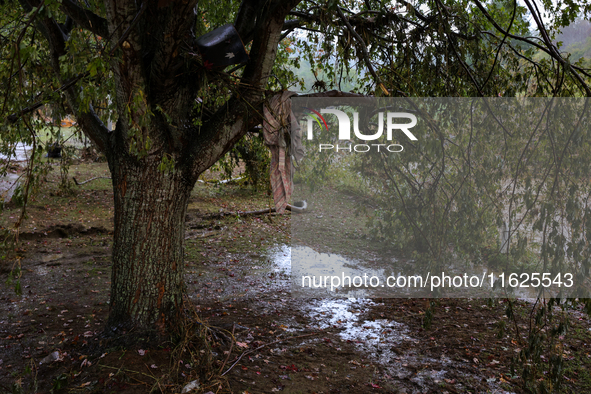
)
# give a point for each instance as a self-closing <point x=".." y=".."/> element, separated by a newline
<point x="95" y="67"/>
<point x="166" y="164"/>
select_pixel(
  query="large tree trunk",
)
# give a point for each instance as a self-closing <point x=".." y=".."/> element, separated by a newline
<point x="147" y="284"/>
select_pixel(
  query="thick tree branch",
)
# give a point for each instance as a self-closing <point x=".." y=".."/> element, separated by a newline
<point x="304" y="15"/>
<point x="84" y="18"/>
<point x="246" y="19"/>
<point x="125" y="34"/>
<point x="292" y="24"/>
<point x="289" y="27"/>
<point x="90" y="119"/>
<point x="233" y="119"/>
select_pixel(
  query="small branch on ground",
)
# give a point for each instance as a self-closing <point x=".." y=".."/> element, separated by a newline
<point x="229" y="351"/>
<point x="267" y="344"/>
<point x="91" y="179"/>
<point x="268" y="211"/>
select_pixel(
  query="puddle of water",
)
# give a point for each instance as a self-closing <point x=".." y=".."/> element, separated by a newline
<point x="20" y="153"/>
<point x="332" y="275"/>
<point x="8" y="183"/>
<point x="376" y="339"/>
<point x="341" y="313"/>
<point x="42" y="271"/>
<point x="280" y="258"/>
<point x="309" y="263"/>
<point x="51" y="257"/>
<point x="371" y="335"/>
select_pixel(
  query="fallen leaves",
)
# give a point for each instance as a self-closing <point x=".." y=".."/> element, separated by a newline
<point x="291" y="368"/>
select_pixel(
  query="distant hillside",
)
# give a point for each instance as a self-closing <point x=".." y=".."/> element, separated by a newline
<point x="576" y="40"/>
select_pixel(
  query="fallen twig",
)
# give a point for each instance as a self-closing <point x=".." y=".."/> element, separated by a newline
<point x="230" y="351"/>
<point x="221" y="181"/>
<point x="91" y="179"/>
<point x="267" y="211"/>
<point x="129" y="370"/>
<point x="267" y="344"/>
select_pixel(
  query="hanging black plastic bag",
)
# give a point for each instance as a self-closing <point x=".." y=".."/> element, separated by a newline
<point x="222" y="47"/>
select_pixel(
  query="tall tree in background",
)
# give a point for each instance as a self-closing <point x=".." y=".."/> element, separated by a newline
<point x="177" y="116"/>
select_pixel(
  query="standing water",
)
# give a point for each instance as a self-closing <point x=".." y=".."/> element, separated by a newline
<point x="9" y="181"/>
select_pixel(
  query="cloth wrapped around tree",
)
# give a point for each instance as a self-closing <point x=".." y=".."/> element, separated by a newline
<point x="278" y="125"/>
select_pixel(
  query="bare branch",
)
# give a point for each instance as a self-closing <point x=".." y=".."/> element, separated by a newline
<point x="455" y="51"/>
<point x="364" y="52"/>
<point x="549" y="50"/>
<point x="552" y="48"/>
<point x="333" y="93"/>
<point x="84" y="18"/>
<point x="292" y="24"/>
<point x="417" y="12"/>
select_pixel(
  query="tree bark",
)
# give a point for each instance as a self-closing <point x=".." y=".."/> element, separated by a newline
<point x="147" y="284"/>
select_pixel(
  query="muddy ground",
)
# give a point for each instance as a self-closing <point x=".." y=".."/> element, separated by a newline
<point x="238" y="279"/>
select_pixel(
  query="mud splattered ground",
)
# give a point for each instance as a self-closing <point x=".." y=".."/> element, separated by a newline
<point x="237" y="273"/>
